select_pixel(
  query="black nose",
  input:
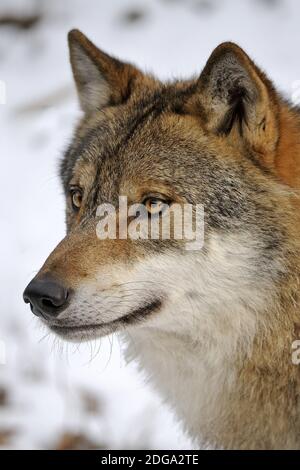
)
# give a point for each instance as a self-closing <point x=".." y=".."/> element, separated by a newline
<point x="47" y="297"/>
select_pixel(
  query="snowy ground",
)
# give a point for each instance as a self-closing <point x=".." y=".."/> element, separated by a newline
<point x="53" y="396"/>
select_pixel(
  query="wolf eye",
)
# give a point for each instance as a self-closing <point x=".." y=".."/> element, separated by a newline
<point x="76" y="198"/>
<point x="155" y="205"/>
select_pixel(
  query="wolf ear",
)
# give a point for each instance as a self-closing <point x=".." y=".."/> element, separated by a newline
<point x="234" y="95"/>
<point x="101" y="80"/>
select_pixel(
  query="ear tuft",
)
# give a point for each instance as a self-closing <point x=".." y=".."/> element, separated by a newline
<point x="101" y="80"/>
<point x="228" y="84"/>
<point x="234" y="94"/>
<point x="93" y="89"/>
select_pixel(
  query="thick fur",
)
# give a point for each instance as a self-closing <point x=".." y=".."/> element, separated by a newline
<point x="212" y="329"/>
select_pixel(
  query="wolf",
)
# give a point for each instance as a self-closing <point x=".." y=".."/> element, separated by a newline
<point x="213" y="329"/>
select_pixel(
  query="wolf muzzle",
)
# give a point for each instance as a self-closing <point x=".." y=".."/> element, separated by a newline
<point x="47" y="296"/>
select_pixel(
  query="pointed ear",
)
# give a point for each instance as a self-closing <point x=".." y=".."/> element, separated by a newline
<point x="234" y="95"/>
<point x="101" y="80"/>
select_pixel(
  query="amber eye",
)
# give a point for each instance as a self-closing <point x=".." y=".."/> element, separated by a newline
<point x="155" y="205"/>
<point x="76" y="198"/>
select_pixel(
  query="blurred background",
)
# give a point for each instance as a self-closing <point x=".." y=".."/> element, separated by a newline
<point x="61" y="396"/>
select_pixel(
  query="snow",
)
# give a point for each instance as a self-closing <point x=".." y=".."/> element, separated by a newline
<point x="46" y="380"/>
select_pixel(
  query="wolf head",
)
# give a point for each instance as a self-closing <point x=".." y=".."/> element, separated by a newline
<point x="211" y="141"/>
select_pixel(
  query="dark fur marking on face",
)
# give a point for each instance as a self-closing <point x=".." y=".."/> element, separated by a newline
<point x="136" y="316"/>
<point x="139" y="314"/>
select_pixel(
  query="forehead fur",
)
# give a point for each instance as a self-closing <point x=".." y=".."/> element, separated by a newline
<point x="111" y="128"/>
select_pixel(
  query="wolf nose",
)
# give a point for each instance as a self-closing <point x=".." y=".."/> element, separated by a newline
<point x="46" y="296"/>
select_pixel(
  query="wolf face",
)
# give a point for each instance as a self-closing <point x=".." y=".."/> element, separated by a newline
<point x="212" y="326"/>
<point x="210" y="141"/>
